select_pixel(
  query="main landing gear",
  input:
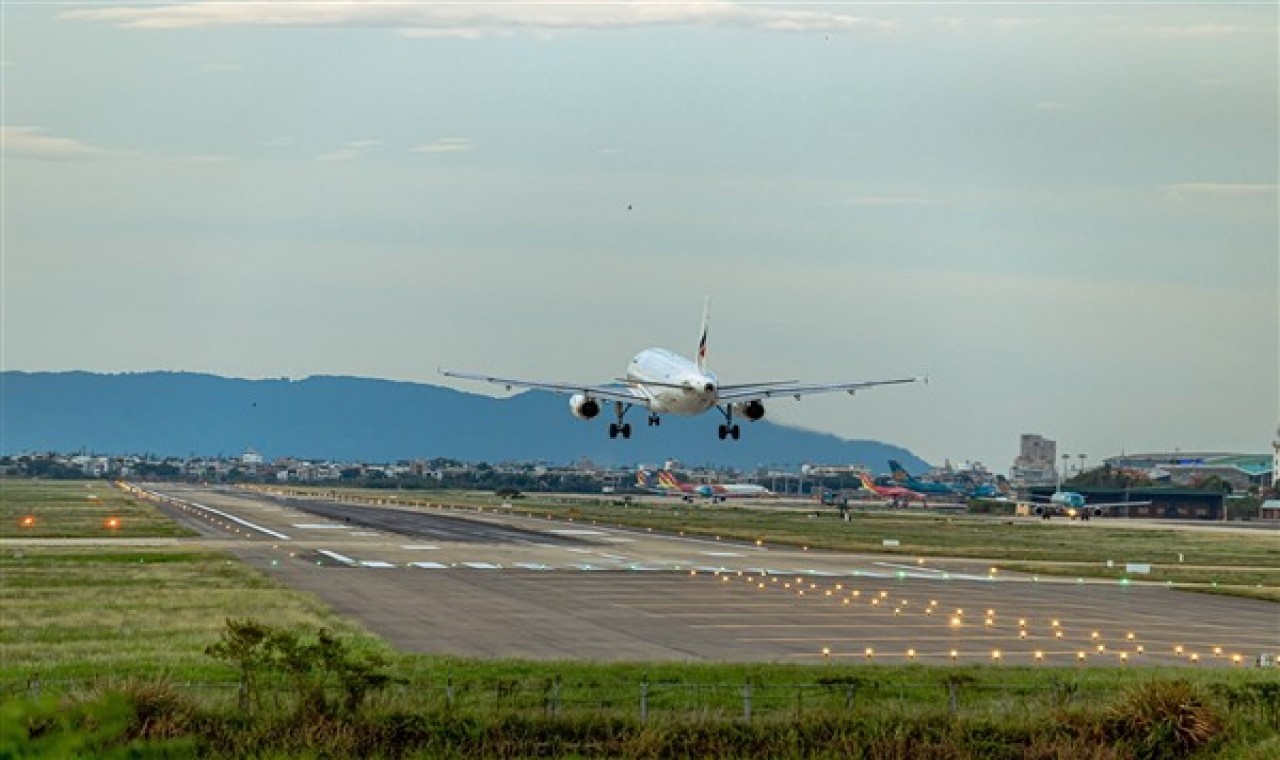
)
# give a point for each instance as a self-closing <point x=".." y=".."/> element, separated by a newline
<point x="621" y="428"/>
<point x="728" y="429"/>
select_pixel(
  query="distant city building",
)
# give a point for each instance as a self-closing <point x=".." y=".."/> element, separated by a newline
<point x="1036" y="463"/>
<point x="251" y="457"/>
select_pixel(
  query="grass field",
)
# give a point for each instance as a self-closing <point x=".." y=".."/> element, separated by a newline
<point x="1242" y="564"/>
<point x="78" y="509"/>
<point x="97" y="627"/>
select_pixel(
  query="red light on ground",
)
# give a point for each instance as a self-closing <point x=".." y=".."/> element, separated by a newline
<point x="27" y="522"/>
<point x="113" y="523"/>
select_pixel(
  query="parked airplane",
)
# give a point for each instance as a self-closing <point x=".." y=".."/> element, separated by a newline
<point x="904" y="479"/>
<point x="669" y="483"/>
<point x="897" y="494"/>
<point x="665" y="382"/>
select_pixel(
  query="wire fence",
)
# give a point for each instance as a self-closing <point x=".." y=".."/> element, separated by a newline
<point x="646" y="700"/>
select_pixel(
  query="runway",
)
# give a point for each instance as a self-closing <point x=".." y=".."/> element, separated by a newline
<point x="492" y="584"/>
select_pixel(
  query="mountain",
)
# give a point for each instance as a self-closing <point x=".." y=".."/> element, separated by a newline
<point x="362" y="419"/>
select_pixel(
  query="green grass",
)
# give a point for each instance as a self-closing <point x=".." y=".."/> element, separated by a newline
<point x="71" y="613"/>
<point x="919" y="533"/>
<point x="78" y="509"/>
<point x="108" y="620"/>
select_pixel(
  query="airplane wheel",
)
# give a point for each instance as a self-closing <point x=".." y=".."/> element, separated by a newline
<point x="626" y="430"/>
<point x="723" y="432"/>
<point x="736" y="432"/>
<point x="613" y="430"/>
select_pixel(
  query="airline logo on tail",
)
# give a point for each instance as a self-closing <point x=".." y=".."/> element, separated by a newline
<point x="666" y="482"/>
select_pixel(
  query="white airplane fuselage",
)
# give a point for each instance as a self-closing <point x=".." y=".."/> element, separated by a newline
<point x="675" y="382"/>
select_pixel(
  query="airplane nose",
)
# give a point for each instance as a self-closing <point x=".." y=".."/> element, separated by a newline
<point x="710" y="388"/>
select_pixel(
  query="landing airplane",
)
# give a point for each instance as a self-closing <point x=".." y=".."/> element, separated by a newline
<point x="896" y="494"/>
<point x="665" y="382"/>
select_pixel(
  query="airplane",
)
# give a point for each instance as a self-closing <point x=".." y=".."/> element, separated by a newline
<point x="897" y="494"/>
<point x="664" y="382"/>
<point x="669" y="483"/>
<point x="904" y="479"/>
<point x="1074" y="506"/>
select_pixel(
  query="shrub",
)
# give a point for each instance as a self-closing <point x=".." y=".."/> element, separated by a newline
<point x="1162" y="720"/>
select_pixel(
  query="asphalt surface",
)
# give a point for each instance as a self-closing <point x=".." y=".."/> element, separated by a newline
<point x="490" y="584"/>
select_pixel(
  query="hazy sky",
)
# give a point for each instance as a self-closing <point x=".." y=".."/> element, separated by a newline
<point x="1064" y="214"/>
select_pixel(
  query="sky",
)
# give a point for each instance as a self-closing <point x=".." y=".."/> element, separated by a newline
<point x="1065" y="214"/>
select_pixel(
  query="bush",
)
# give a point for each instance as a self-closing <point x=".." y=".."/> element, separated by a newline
<point x="1162" y="720"/>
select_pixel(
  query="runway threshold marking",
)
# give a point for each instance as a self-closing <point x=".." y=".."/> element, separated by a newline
<point x="336" y="557"/>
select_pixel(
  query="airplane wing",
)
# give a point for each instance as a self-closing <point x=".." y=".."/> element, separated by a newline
<point x="627" y="394"/>
<point x="758" y="391"/>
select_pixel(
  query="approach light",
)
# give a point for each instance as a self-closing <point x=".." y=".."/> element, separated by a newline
<point x="989" y="622"/>
<point x="1236" y="659"/>
<point x="1039" y="656"/>
<point x="112" y="523"/>
<point x="1217" y="651"/>
<point x="1022" y="634"/>
<point x="826" y="651"/>
<point x="1129" y="636"/>
<point x="1080" y="656"/>
<point x="1195" y="658"/>
<point x="1178" y="650"/>
<point x="955" y="622"/>
<point x="870" y="653"/>
<point x="1124" y="658"/>
<point x="911" y="654"/>
<point x="28" y="522"/>
<point x="1095" y="635"/>
<point x="995" y="655"/>
<point x="1141" y="649"/>
<point x="1055" y="623"/>
<point x="954" y="655"/>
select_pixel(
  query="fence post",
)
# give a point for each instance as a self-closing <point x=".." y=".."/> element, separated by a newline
<point x="952" y="701"/>
<point x="746" y="701"/>
<point x="448" y="691"/>
<point x="644" y="700"/>
<point x="555" y="697"/>
<point x="848" y="697"/>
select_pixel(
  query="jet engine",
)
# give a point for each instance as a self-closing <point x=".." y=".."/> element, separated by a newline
<point x="752" y="410"/>
<point x="1039" y="510"/>
<point x="583" y="407"/>
<point x="1097" y="511"/>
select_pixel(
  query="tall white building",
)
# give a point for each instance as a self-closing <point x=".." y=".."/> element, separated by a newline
<point x="1036" y="463"/>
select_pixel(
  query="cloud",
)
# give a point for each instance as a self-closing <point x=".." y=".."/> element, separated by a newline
<point x="31" y="142"/>
<point x="446" y="145"/>
<point x="888" y="200"/>
<point x="1193" y="31"/>
<point x="1220" y="190"/>
<point x="472" y="20"/>
<point x="207" y="158"/>
<point x="350" y="152"/>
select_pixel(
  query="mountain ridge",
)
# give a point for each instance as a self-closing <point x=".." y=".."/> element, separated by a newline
<point x="346" y="418"/>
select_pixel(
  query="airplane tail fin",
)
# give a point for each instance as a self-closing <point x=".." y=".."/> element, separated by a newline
<point x="669" y="480"/>
<point x="644" y="479"/>
<point x="866" y="481"/>
<point x="702" y="340"/>
<point x="900" y="473"/>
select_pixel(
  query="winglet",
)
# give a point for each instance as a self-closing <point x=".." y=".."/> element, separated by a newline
<point x="702" y="341"/>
